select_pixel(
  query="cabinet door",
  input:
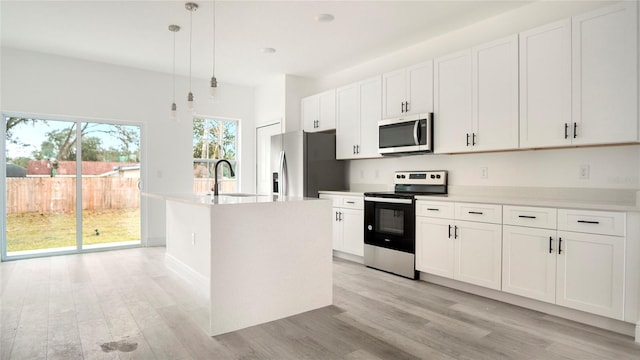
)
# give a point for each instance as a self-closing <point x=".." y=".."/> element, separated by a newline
<point x="393" y="93"/>
<point x="590" y="273"/>
<point x="419" y="82"/>
<point x="370" y="114"/>
<point x="478" y="254"/>
<point x="529" y="262"/>
<point x="353" y="231"/>
<point x="545" y="85"/>
<point x="309" y="111"/>
<point x="327" y="110"/>
<point x="452" y="103"/>
<point x="605" y="75"/>
<point x="434" y="246"/>
<point x="348" y="121"/>
<point x="495" y="95"/>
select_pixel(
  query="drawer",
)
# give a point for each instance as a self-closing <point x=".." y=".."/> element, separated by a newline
<point x="489" y="213"/>
<point x="538" y="217"/>
<point x="435" y="209"/>
<point x="352" y="202"/>
<point x="336" y="200"/>
<point x="593" y="222"/>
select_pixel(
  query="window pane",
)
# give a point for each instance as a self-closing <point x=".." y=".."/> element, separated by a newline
<point x="214" y="140"/>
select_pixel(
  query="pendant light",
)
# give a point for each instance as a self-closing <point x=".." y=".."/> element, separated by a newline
<point x="214" y="82"/>
<point x="174" y="29"/>
<point x="191" y="7"/>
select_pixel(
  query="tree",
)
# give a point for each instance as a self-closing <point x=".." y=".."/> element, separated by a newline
<point x="214" y="139"/>
<point x="91" y="148"/>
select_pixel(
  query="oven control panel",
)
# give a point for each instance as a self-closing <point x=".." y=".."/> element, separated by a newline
<point x="421" y="177"/>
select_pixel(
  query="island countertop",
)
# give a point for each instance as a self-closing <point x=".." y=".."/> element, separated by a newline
<point x="224" y="199"/>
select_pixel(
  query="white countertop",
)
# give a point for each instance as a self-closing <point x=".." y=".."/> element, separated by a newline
<point x="508" y="196"/>
<point x="342" y="193"/>
<point x="224" y="199"/>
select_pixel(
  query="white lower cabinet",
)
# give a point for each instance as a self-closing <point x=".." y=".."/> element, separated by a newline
<point x="348" y="223"/>
<point x="579" y="270"/>
<point x="467" y="251"/>
<point x="590" y="273"/>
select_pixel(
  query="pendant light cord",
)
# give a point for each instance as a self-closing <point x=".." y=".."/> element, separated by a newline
<point x="190" y="47"/>
<point x="174" y="67"/>
<point x="213" y="67"/>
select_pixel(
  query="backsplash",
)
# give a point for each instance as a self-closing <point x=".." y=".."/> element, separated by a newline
<point x="607" y="167"/>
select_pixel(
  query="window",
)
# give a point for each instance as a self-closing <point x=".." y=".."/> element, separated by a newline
<point x="214" y="140"/>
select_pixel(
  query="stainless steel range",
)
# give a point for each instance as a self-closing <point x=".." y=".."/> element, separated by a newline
<point x="389" y="240"/>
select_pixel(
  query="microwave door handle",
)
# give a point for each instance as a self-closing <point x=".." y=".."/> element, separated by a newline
<point x="416" y="132"/>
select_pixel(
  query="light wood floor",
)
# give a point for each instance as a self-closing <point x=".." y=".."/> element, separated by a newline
<point x="126" y="305"/>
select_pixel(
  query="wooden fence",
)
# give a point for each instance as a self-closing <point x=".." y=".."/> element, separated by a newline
<point x="58" y="194"/>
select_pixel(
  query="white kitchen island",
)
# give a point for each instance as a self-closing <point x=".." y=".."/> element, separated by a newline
<point x="257" y="258"/>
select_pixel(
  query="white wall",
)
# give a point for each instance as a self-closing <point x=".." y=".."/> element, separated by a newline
<point x="611" y="167"/>
<point x="60" y="87"/>
<point x="270" y="101"/>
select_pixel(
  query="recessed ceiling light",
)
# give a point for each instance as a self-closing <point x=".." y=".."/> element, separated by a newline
<point x="324" y="18"/>
<point x="267" y="50"/>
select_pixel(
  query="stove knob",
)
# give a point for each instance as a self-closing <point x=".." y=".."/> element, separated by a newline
<point x="403" y="176"/>
<point x="433" y="176"/>
<point x="397" y="176"/>
<point x="438" y="176"/>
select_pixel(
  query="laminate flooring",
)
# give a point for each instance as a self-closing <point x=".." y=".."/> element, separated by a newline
<point x="126" y="304"/>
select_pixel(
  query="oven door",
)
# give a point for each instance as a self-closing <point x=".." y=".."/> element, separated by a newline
<point x="390" y="223"/>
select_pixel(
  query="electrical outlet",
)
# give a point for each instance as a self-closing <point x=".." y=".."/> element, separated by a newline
<point x="484" y="172"/>
<point x="584" y="172"/>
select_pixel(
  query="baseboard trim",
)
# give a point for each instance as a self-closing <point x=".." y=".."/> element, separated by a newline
<point x="199" y="283"/>
<point x="347" y="256"/>
<point x="602" y="322"/>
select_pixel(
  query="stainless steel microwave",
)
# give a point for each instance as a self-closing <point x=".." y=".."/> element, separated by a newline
<point x="406" y="135"/>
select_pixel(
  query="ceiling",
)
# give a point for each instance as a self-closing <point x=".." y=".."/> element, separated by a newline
<point x="135" y="33"/>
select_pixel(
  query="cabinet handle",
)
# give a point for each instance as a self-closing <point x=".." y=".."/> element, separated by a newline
<point x="559" y="246"/>
<point x="526" y="217"/>
<point x="455" y="232"/>
<point x="350" y="202"/>
<point x="467" y="139"/>
<point x="354" y="149"/>
<point x="432" y="209"/>
<point x="336" y="216"/>
<point x="550" y="242"/>
<point x="566" y="130"/>
<point x="402" y="107"/>
<point x="357" y="149"/>
<point x="341" y="216"/>
<point x="588" y="222"/>
<point x="449" y="231"/>
<point x="575" y="130"/>
<point x="476" y="212"/>
<point x="406" y="106"/>
<point x="473" y="139"/>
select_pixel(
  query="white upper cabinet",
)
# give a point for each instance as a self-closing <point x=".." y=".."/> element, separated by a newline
<point x="545" y="85"/>
<point x="359" y="108"/>
<point x="495" y="95"/>
<point x="408" y="91"/>
<point x="605" y="75"/>
<point x="476" y="98"/>
<point x="452" y="122"/>
<point x="319" y="111"/>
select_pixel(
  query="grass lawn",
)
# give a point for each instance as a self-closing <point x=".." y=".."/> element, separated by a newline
<point x="33" y="231"/>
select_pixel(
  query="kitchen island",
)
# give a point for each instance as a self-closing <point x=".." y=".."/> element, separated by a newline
<point x="256" y="258"/>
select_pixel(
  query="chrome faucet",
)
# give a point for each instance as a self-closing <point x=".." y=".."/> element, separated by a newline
<point x="215" y="176"/>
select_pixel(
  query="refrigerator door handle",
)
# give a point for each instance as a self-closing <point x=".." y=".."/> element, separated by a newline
<point x="283" y="174"/>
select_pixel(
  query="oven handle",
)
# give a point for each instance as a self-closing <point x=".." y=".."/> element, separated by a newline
<point x="388" y="200"/>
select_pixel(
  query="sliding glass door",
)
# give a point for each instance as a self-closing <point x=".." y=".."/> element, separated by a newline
<point x="70" y="186"/>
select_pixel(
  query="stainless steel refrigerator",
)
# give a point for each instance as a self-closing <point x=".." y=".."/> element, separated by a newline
<point x="303" y="163"/>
